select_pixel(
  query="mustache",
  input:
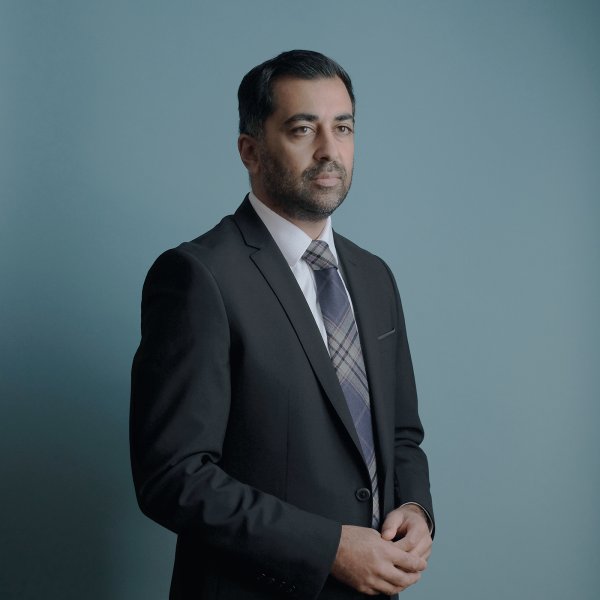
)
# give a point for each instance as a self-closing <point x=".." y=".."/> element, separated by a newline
<point x="331" y="167"/>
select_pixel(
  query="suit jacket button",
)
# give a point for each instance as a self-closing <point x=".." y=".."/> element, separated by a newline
<point x="363" y="494"/>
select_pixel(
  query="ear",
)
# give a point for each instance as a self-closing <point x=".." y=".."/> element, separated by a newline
<point x="248" y="149"/>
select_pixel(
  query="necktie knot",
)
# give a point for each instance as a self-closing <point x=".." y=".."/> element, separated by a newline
<point x="319" y="256"/>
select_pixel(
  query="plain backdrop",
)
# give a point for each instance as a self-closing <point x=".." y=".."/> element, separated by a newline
<point x="477" y="179"/>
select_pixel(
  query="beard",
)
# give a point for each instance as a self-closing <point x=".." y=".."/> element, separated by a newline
<point x="297" y="197"/>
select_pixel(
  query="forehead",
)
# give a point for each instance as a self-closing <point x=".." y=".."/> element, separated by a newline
<point x="323" y="97"/>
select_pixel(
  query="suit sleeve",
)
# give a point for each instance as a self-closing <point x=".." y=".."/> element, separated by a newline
<point x="411" y="470"/>
<point x="180" y="404"/>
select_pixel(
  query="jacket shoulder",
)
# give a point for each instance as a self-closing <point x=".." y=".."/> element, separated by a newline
<point x="355" y="253"/>
<point x="217" y="247"/>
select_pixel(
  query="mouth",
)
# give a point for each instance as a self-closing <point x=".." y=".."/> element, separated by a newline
<point x="327" y="179"/>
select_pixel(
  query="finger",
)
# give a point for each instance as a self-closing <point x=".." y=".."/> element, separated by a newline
<point x="406" y="561"/>
<point x="395" y="580"/>
<point x="414" y="530"/>
<point x="415" y="540"/>
<point x="422" y="548"/>
<point x="397" y="584"/>
<point x="390" y="526"/>
<point x="405" y="544"/>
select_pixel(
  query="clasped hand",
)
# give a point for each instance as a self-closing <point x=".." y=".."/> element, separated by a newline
<point x="373" y="563"/>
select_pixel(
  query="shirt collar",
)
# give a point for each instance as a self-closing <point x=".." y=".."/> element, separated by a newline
<point x="290" y="239"/>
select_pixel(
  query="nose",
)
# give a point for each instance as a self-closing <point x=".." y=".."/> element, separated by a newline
<point x="326" y="149"/>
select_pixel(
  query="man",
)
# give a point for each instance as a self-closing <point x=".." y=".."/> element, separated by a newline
<point x="274" y="422"/>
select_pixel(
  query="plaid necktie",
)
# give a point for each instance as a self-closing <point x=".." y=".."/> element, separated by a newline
<point x="346" y="353"/>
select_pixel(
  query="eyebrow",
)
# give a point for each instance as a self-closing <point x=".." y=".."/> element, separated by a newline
<point x="312" y="118"/>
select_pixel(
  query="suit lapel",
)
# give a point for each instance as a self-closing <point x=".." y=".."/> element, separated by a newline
<point x="357" y="277"/>
<point x="273" y="267"/>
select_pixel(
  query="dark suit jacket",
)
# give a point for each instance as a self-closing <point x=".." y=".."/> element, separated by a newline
<point x="241" y="439"/>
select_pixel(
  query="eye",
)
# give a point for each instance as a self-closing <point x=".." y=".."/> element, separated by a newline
<point x="345" y="129"/>
<point x="302" y="130"/>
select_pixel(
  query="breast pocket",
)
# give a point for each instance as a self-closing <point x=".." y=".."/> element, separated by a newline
<point x="387" y="334"/>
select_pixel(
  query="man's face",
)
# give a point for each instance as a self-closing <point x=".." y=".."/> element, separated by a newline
<point x="306" y="152"/>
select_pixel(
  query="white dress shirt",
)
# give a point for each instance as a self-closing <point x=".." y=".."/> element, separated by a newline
<point x="293" y="243"/>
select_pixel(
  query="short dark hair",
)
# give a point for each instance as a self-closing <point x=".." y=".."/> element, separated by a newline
<point x="255" y="94"/>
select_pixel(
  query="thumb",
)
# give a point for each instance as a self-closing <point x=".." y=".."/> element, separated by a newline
<point x="391" y="525"/>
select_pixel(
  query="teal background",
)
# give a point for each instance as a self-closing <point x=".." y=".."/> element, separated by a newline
<point x="477" y="178"/>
